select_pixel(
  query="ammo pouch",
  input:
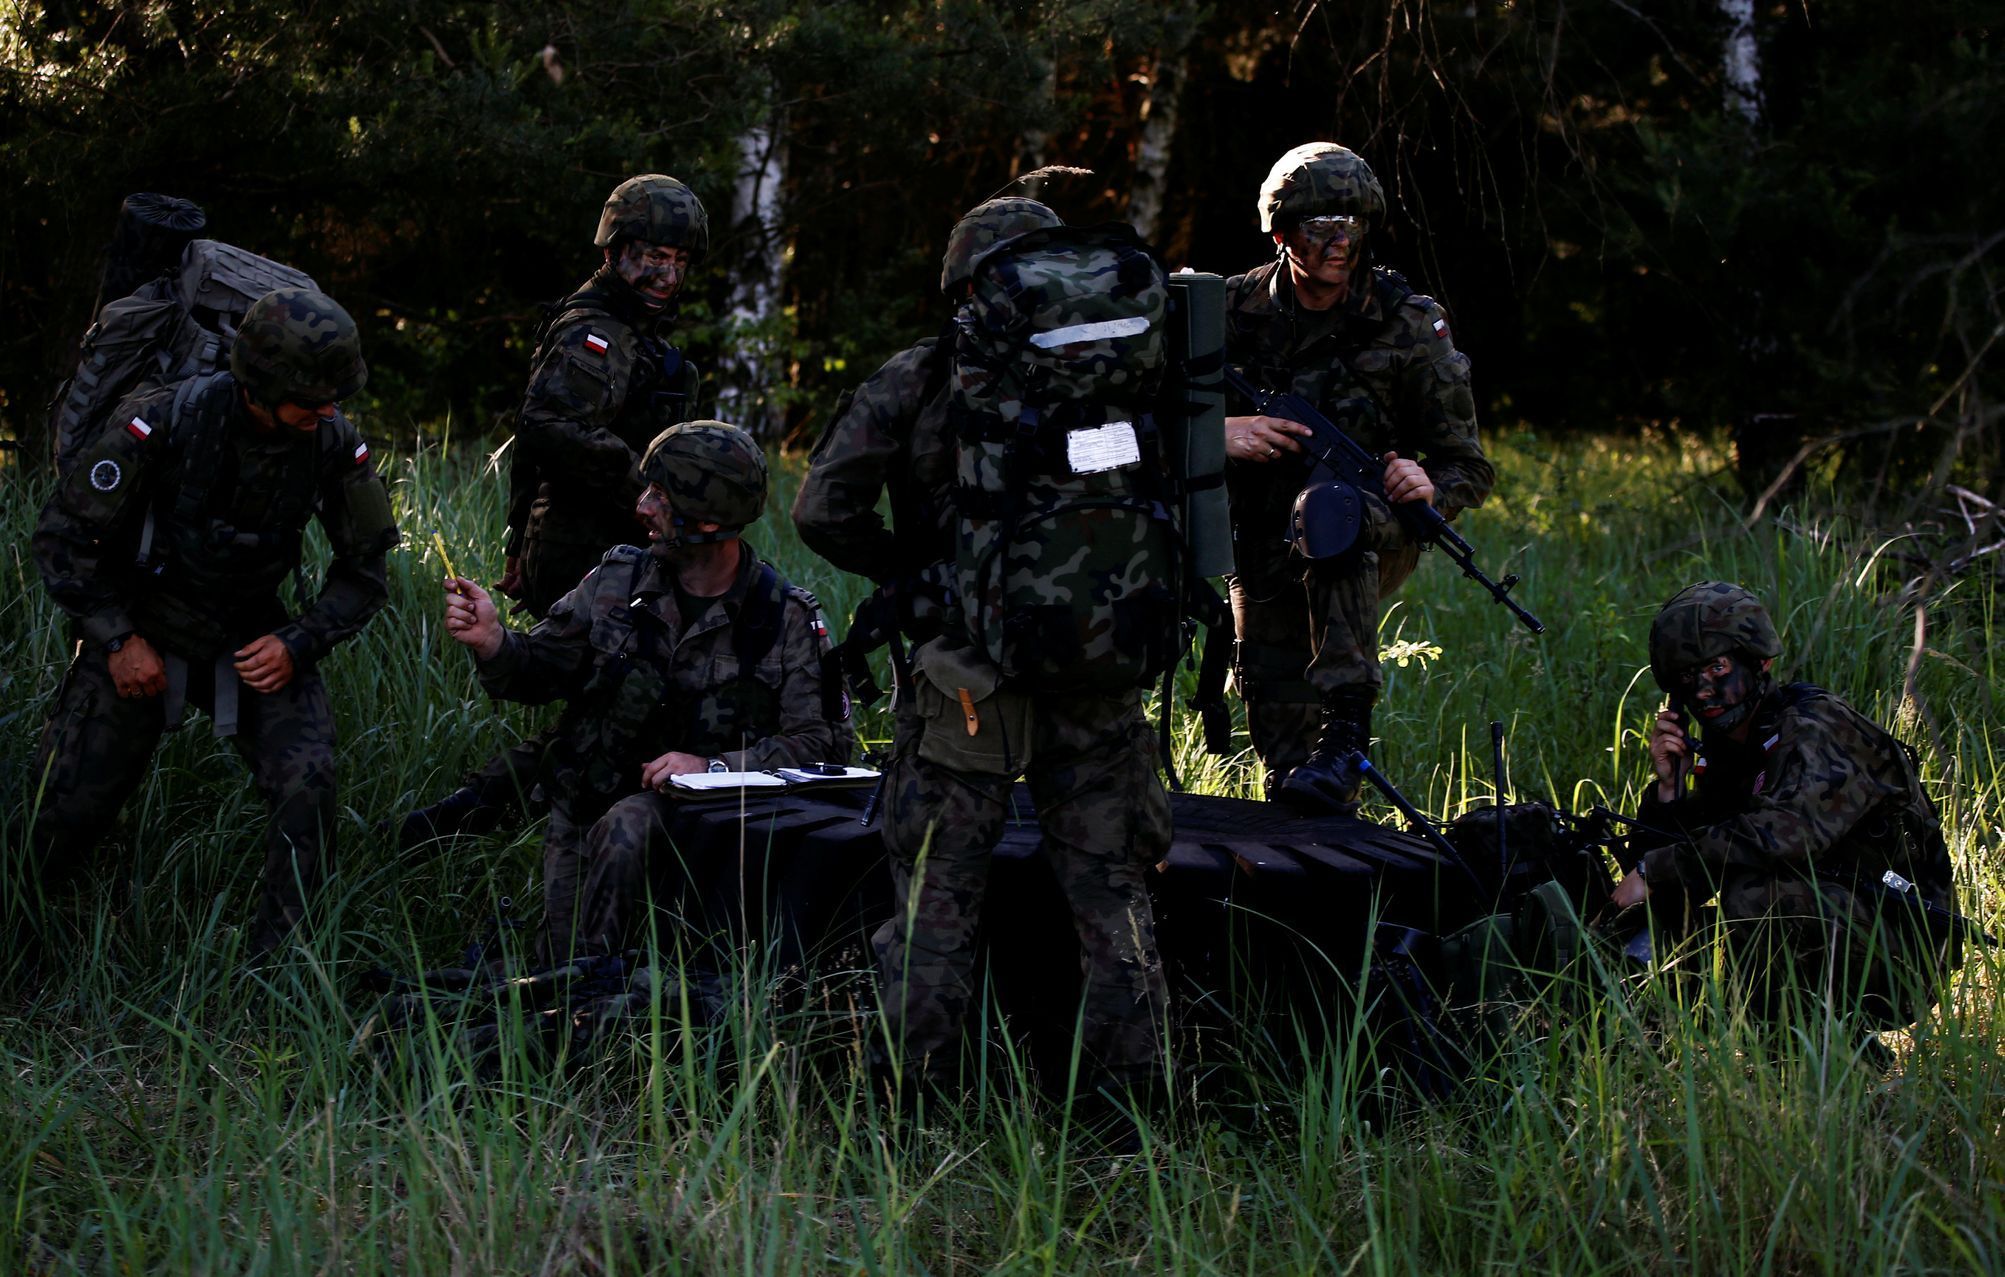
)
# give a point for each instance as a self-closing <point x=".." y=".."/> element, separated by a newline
<point x="1327" y="520"/>
<point x="971" y="723"/>
<point x="623" y="695"/>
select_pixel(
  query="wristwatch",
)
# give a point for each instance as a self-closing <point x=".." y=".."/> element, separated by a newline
<point x="112" y="645"/>
<point x="717" y="765"/>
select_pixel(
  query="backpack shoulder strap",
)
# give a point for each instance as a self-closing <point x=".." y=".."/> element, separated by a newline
<point x="757" y="627"/>
<point x="197" y="426"/>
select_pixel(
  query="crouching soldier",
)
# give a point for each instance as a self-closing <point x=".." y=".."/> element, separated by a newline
<point x="691" y="655"/>
<point x="1806" y="820"/>
<point x="167" y="542"/>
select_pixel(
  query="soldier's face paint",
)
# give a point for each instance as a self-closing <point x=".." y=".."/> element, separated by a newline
<point x="1723" y="690"/>
<point x="301" y="418"/>
<point x="1325" y="250"/>
<point x="658" y="517"/>
<point x="654" y="271"/>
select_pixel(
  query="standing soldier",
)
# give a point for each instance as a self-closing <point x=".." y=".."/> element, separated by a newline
<point x="1092" y="760"/>
<point x="892" y="433"/>
<point x="602" y="381"/>
<point x="1805" y="818"/>
<point x="167" y="542"/>
<point x="1376" y="357"/>
<point x="691" y="656"/>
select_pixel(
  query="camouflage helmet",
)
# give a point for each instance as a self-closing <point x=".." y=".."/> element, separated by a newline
<point x="1320" y="179"/>
<point x="297" y="344"/>
<point x="712" y="473"/>
<point x="985" y="225"/>
<point x="1706" y="620"/>
<point x="658" y="209"/>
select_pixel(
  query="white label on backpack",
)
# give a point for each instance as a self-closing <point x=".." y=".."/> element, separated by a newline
<point x="1132" y="326"/>
<point x="1098" y="448"/>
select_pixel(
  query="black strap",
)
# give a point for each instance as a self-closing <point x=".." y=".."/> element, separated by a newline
<point x="1166" y="705"/>
<point x="759" y="619"/>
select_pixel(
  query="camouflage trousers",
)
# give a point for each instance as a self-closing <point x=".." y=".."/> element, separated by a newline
<point x="96" y="746"/>
<point x="1303" y="634"/>
<point x="1091" y="766"/>
<point x="599" y="874"/>
<point x="1791" y="944"/>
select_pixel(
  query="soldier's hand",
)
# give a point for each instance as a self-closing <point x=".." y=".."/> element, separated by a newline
<point x="471" y="617"/>
<point x="265" y="664"/>
<point x="1634" y="889"/>
<point x="655" y="775"/>
<point x="1262" y="438"/>
<point x="1669" y="748"/>
<point x="511" y="577"/>
<point x="1405" y="480"/>
<point x="137" y="670"/>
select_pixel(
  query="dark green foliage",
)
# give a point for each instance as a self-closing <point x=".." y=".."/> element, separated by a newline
<point x="1617" y="244"/>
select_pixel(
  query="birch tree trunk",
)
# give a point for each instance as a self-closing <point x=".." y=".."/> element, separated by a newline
<point x="748" y="375"/>
<point x="1741" y="61"/>
<point x="1159" y="123"/>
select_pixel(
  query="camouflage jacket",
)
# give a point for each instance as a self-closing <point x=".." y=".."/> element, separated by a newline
<point x="640" y="682"/>
<point x="264" y="486"/>
<point x="1817" y="791"/>
<point x="602" y="384"/>
<point x="1382" y="365"/>
<point x="892" y="432"/>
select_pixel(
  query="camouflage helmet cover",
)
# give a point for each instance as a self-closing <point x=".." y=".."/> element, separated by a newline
<point x="712" y="473"/>
<point x="986" y="225"/>
<point x="1320" y="179"/>
<point x="298" y="344"/>
<point x="1706" y="620"/>
<point x="658" y="209"/>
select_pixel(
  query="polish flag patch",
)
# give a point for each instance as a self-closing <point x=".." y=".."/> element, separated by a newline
<point x="596" y="344"/>
<point x="138" y="429"/>
<point x="361" y="453"/>
<point x="1440" y="326"/>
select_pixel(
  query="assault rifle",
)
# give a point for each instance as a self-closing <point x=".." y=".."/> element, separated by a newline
<point x="1344" y="458"/>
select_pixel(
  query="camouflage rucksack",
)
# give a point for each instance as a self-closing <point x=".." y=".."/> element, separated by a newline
<point x="1068" y="558"/>
<point x="176" y="326"/>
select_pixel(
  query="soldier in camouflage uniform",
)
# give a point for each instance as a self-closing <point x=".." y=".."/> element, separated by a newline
<point x="1799" y="807"/>
<point x="689" y="656"/>
<point x="1376" y="357"/>
<point x="1090" y="760"/>
<point x="602" y="381"/>
<point x="167" y="542"/>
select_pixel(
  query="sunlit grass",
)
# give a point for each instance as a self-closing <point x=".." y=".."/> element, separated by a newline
<point x="165" y="1112"/>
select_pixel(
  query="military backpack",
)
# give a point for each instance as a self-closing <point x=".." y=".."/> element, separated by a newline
<point x="177" y="325"/>
<point x="1068" y="558"/>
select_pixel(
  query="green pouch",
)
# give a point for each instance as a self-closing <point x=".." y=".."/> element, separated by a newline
<point x="971" y="723"/>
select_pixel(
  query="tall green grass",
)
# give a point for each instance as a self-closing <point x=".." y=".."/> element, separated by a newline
<point x="162" y="1111"/>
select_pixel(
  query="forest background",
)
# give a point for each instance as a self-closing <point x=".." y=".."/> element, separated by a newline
<point x="1776" y="219"/>
<point x="1684" y="243"/>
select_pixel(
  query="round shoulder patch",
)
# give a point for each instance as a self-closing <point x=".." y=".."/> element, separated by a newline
<point x="105" y="475"/>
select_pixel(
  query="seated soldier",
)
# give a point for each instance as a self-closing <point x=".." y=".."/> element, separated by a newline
<point x="691" y="655"/>
<point x="1806" y="819"/>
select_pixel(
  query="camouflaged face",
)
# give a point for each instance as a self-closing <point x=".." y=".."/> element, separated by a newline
<point x="1706" y="620"/>
<point x="712" y="472"/>
<point x="658" y="209"/>
<point x="1316" y="180"/>
<point x="986" y="225"/>
<point x="298" y="344"/>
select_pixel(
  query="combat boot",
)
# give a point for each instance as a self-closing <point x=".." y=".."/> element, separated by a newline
<point x="464" y="811"/>
<point x="1328" y="784"/>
